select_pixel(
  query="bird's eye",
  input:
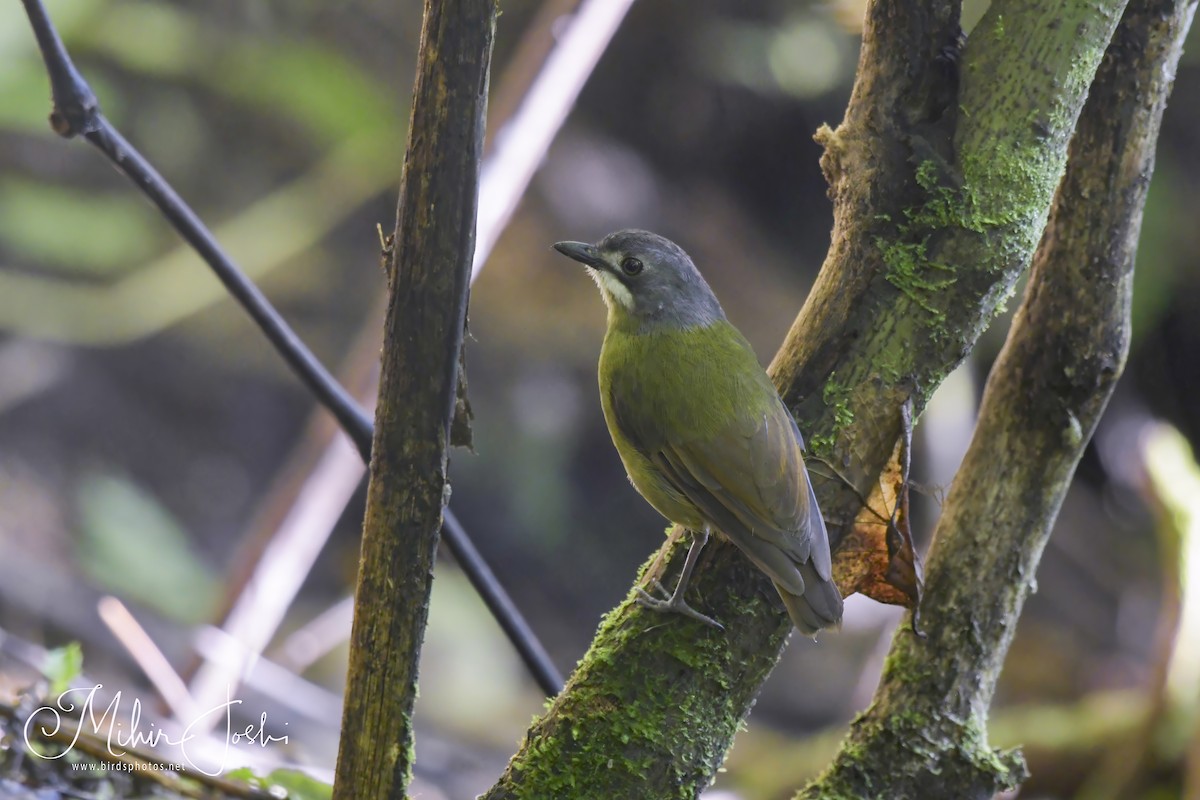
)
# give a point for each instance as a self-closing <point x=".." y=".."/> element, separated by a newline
<point x="631" y="266"/>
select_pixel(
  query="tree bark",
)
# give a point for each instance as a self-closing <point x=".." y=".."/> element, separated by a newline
<point x="942" y="174"/>
<point x="428" y="281"/>
<point x="925" y="734"/>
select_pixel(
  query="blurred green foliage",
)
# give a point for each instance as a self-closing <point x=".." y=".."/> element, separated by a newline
<point x="308" y="84"/>
<point x="298" y="785"/>
<point x="62" y="666"/>
<point x="75" y="231"/>
<point x="188" y="71"/>
<point x="136" y="549"/>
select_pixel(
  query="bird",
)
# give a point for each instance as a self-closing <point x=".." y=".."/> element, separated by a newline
<point x="700" y="427"/>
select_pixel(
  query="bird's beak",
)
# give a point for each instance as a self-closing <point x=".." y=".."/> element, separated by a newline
<point x="586" y="254"/>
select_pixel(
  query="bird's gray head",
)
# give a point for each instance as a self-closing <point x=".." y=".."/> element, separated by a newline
<point x="647" y="279"/>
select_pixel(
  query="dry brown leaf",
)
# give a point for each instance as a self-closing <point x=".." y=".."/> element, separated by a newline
<point x="876" y="557"/>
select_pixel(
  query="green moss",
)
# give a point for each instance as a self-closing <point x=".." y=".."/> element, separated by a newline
<point x="896" y="361"/>
<point x="1009" y="189"/>
<point x="902" y="666"/>
<point x="906" y="253"/>
<point x="911" y="718"/>
<point x="1011" y="185"/>
<point x="836" y="397"/>
<point x="911" y="271"/>
<point x="615" y="737"/>
<point x="935" y="748"/>
<point x="1007" y="767"/>
<point x="927" y="175"/>
<point x="821" y="446"/>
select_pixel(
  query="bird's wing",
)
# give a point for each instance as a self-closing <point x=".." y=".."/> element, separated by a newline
<point x="749" y="479"/>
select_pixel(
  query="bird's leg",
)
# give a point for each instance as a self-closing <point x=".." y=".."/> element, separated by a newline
<point x="675" y="603"/>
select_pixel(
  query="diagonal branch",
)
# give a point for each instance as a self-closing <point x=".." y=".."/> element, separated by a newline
<point x="940" y="194"/>
<point x="925" y="734"/>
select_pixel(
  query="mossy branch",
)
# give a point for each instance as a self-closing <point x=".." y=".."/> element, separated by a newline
<point x="428" y="282"/>
<point x="960" y="171"/>
<point x="925" y="734"/>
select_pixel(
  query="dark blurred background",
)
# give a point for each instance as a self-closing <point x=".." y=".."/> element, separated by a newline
<point x="151" y="442"/>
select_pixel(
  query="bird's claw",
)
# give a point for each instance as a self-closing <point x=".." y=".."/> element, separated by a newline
<point x="673" y="603"/>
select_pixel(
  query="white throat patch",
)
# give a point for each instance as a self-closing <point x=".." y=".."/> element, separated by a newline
<point x="612" y="288"/>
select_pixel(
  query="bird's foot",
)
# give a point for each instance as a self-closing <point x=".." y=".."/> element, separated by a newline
<point x="672" y="603"/>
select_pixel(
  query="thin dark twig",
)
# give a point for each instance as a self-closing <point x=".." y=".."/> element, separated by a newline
<point x="75" y="106"/>
<point x="77" y="111"/>
<point x="329" y="393"/>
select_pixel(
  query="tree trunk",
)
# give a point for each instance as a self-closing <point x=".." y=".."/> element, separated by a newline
<point x="428" y="285"/>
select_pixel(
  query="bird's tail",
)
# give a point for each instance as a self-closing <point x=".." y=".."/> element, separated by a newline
<point x="819" y="607"/>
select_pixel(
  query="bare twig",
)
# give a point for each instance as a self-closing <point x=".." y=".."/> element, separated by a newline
<point x="149" y="657"/>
